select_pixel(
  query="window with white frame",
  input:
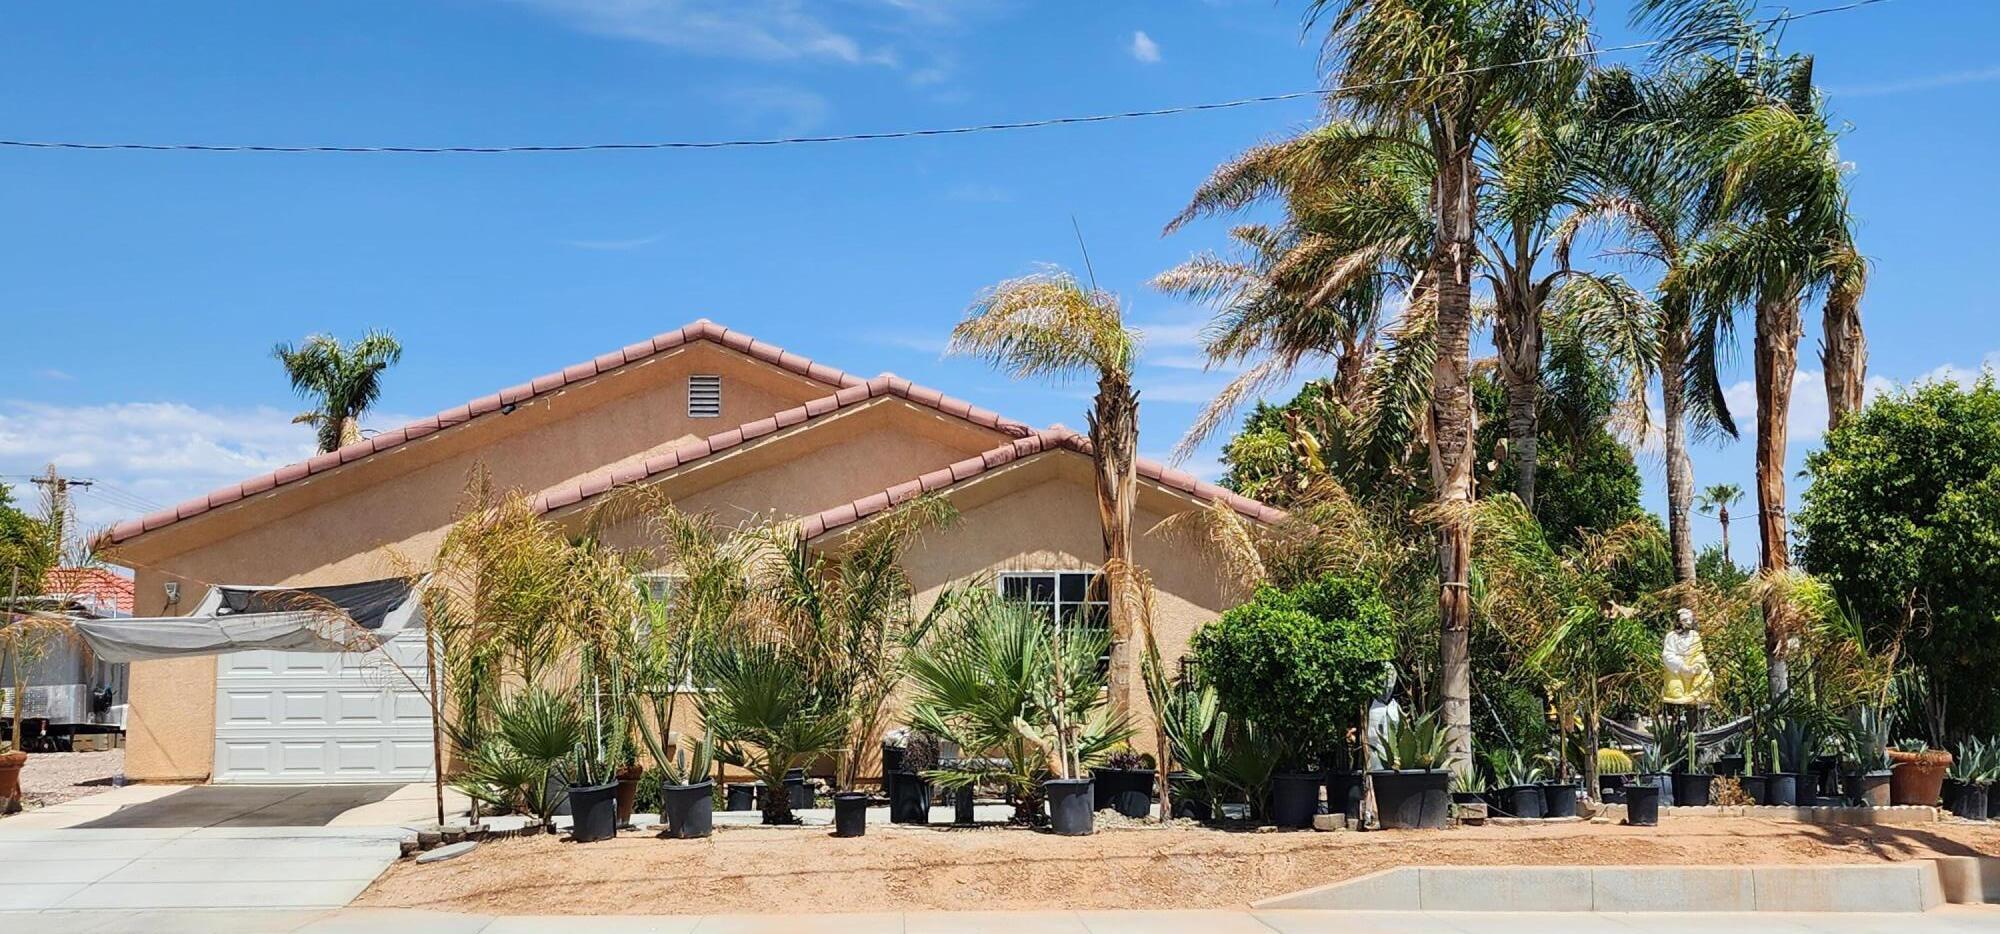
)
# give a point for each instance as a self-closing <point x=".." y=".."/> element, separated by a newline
<point x="704" y="396"/>
<point x="1075" y="597"/>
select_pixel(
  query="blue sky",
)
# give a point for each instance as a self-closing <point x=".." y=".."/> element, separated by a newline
<point x="142" y="292"/>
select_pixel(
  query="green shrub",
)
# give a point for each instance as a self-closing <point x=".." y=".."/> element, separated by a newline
<point x="1301" y="663"/>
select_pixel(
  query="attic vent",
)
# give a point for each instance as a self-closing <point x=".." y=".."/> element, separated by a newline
<point x="704" y="397"/>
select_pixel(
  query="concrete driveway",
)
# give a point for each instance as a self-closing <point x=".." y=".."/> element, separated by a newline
<point x="206" y="847"/>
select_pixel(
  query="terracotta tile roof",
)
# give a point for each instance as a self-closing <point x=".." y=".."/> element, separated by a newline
<point x="99" y="586"/>
<point x="1049" y="439"/>
<point x="452" y="418"/>
<point x="887" y="384"/>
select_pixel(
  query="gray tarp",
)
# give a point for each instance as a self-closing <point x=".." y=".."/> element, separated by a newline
<point x="342" y="618"/>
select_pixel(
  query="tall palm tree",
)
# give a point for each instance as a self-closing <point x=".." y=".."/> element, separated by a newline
<point x="1716" y="500"/>
<point x="344" y="380"/>
<point x="1454" y="69"/>
<point x="1049" y="325"/>
<point x="1782" y="234"/>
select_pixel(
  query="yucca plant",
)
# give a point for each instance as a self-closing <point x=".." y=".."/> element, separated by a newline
<point x="1021" y="703"/>
<point x="1412" y="743"/>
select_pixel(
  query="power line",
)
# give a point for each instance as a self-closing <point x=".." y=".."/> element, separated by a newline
<point x="885" y="134"/>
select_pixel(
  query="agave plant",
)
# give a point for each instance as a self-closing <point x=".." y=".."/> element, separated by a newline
<point x="1977" y="762"/>
<point x="1020" y="702"/>
<point x="675" y="769"/>
<point x="1512" y="769"/>
<point x="1412" y="743"/>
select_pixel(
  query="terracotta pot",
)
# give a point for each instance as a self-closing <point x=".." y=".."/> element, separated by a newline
<point x="628" y="792"/>
<point x="1917" y="777"/>
<point x="10" y="778"/>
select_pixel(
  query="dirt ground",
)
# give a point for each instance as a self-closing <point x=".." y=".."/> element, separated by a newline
<point x="892" y="869"/>
<point x="55" y="777"/>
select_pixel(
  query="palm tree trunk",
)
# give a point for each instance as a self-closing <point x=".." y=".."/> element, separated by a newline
<point x="1451" y="430"/>
<point x="1843" y="355"/>
<point x="1518" y="335"/>
<point x="1114" y="439"/>
<point x="1777" y="362"/>
<point x="1722" y="514"/>
<point x="1680" y="471"/>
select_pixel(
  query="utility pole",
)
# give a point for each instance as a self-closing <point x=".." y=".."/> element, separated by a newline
<point x="56" y="507"/>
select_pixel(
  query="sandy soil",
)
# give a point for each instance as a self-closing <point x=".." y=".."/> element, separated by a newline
<point x="55" y="777"/>
<point x="778" y="870"/>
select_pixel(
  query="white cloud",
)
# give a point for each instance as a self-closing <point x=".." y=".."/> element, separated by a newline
<point x="1807" y="418"/>
<point x="850" y="32"/>
<point x="159" y="452"/>
<point x="1165" y="335"/>
<point x="1144" y="48"/>
<point x="55" y="375"/>
<point x="1925" y="83"/>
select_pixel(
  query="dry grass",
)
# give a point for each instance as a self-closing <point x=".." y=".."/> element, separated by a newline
<point x="792" y="869"/>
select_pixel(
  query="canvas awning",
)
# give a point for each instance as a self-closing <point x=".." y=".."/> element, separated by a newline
<point x="339" y="618"/>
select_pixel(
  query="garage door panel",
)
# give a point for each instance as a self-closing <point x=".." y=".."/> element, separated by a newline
<point x="306" y="717"/>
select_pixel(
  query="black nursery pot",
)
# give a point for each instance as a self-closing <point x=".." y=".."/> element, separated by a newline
<point x="1691" y="790"/>
<point x="963" y="805"/>
<point x="1732" y="764"/>
<point x="1972" y="802"/>
<point x="1413" y="799"/>
<point x="595" y="809"/>
<point x="1520" y="801"/>
<point x="690" y="809"/>
<point x="741" y="797"/>
<point x="1948" y="794"/>
<point x="1666" y="782"/>
<point x="1868" y="789"/>
<point x="1558" y="799"/>
<point x="1781" y="789"/>
<point x="1756" y="787"/>
<point x="1069" y="806"/>
<point x="910" y="799"/>
<point x="1825" y="777"/>
<point x="1128" y="791"/>
<point x="1612" y="788"/>
<point x="800" y="792"/>
<point x="1294" y="798"/>
<point x="1344" y="791"/>
<point x="1190" y="798"/>
<point x="850" y="813"/>
<point x="1642" y="805"/>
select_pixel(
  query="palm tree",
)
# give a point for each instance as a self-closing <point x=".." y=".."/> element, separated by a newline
<point x="768" y="711"/>
<point x="1782" y="233"/>
<point x="1716" y="500"/>
<point x="1454" y="69"/>
<point x="344" y="381"/>
<point x="1049" y="325"/>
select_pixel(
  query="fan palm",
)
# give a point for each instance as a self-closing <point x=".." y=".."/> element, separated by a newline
<point x="1049" y="325"/>
<point x="343" y="380"/>
<point x="1716" y="500"/>
<point x="768" y="711"/>
<point x="1021" y="699"/>
<point x="1453" y="68"/>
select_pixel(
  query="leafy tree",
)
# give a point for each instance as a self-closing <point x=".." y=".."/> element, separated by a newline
<point x="1902" y="517"/>
<point x="342" y="380"/>
<point x="1301" y="663"/>
<point x="27" y="547"/>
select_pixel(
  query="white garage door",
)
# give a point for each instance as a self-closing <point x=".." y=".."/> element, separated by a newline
<point x="317" y="718"/>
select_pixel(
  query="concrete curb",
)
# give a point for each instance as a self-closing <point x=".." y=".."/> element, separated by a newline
<point x="1900" y="815"/>
<point x="1912" y="886"/>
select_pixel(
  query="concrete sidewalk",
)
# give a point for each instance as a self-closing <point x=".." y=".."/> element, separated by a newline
<point x="170" y="868"/>
<point x="1948" y="920"/>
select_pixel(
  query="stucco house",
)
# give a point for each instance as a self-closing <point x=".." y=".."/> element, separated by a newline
<point x="717" y="420"/>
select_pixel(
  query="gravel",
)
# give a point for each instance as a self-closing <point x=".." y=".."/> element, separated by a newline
<point x="55" y="777"/>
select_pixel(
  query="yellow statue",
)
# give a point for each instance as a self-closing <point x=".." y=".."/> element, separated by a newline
<point x="1689" y="681"/>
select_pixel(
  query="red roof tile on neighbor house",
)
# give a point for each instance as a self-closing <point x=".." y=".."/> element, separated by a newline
<point x="703" y="329"/>
<point x="100" y="586"/>
<point x="1049" y="439"/>
<point x="569" y="494"/>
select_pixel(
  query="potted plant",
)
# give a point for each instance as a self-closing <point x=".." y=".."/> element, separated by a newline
<point x="1614" y="769"/>
<point x="1652" y="763"/>
<point x="1916" y="773"/>
<point x="593" y="795"/>
<point x="1413" y="789"/>
<point x="520" y="765"/>
<point x="910" y="799"/>
<point x="1559" y="795"/>
<point x="1867" y="785"/>
<point x="1642" y="800"/>
<point x="1468" y="786"/>
<point x="687" y="786"/>
<point x="1520" y="792"/>
<point x="1124" y="783"/>
<point x="1972" y="770"/>
<point x="1733" y="761"/>
<point x="628" y="774"/>
<point x="1693" y="778"/>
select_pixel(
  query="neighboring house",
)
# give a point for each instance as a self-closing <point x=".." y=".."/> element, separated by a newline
<point x="64" y="676"/>
<point x="720" y="422"/>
